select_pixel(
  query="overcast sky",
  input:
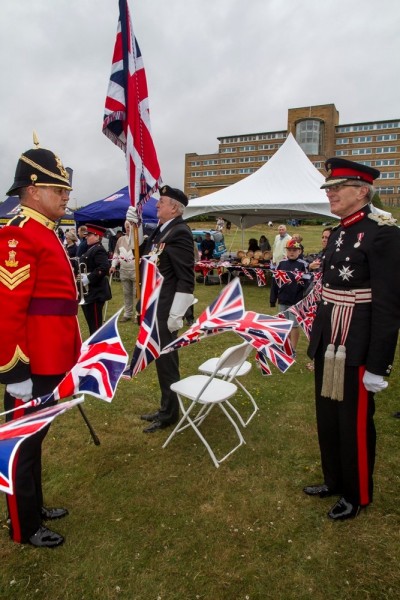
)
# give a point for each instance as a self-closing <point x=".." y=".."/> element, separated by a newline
<point x="214" y="68"/>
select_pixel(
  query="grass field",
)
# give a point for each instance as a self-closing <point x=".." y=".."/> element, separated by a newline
<point x="153" y="524"/>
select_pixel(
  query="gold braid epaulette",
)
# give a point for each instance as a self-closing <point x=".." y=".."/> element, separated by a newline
<point x="382" y="219"/>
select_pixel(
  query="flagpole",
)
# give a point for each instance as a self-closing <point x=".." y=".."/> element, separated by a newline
<point x="89" y="426"/>
<point x="137" y="260"/>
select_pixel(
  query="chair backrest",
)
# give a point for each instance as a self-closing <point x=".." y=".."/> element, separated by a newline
<point x="233" y="358"/>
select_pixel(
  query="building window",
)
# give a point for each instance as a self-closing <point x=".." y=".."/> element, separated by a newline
<point x="387" y="137"/>
<point x="388" y="162"/>
<point x="386" y="149"/>
<point x="362" y="151"/>
<point x="342" y="141"/>
<point x="309" y="136"/>
<point x="362" y="139"/>
<point x="385" y="190"/>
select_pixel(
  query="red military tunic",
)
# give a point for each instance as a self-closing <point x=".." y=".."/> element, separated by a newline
<point x="38" y="300"/>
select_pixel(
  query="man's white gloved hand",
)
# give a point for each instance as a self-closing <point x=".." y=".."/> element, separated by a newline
<point x="131" y="215"/>
<point x="374" y="383"/>
<point x="85" y="279"/>
<point x="21" y="390"/>
<point x="179" y="306"/>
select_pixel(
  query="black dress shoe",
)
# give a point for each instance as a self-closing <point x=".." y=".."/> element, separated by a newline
<point x="50" y="514"/>
<point x="321" y="490"/>
<point x="150" y="417"/>
<point x="45" y="538"/>
<point x="155" y="426"/>
<point x="344" y="510"/>
<point x="396" y="415"/>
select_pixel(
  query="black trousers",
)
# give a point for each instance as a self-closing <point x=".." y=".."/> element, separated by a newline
<point x="347" y="436"/>
<point x="167" y="366"/>
<point x="24" y="506"/>
<point x="94" y="315"/>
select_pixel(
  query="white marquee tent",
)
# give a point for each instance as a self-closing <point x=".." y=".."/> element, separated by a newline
<point x="286" y="187"/>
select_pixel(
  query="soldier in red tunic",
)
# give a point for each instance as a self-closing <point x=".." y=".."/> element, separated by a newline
<point x="40" y="332"/>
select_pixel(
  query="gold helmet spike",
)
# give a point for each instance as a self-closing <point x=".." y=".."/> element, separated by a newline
<point x="35" y="139"/>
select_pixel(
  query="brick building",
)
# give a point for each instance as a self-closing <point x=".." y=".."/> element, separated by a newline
<point x="319" y="133"/>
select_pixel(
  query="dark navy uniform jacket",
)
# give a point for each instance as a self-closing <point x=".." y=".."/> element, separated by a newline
<point x="362" y="253"/>
<point x="175" y="262"/>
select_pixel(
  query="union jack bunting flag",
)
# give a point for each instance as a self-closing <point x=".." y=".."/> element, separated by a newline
<point x="306" y="309"/>
<point x="99" y="368"/>
<point x="220" y="316"/>
<point x="260" y="273"/>
<point x="147" y="346"/>
<point x="127" y="116"/>
<point x="281" y="277"/>
<point x="13" y="433"/>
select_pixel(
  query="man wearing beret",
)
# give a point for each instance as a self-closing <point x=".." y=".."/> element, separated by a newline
<point x="94" y="267"/>
<point x="171" y="244"/>
<point x="40" y="335"/>
<point x="354" y="335"/>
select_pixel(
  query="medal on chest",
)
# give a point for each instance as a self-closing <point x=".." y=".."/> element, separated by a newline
<point x="359" y="239"/>
<point x="155" y="252"/>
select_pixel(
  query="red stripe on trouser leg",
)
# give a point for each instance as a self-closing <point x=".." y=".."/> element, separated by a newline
<point x="12" y="507"/>
<point x="362" y="447"/>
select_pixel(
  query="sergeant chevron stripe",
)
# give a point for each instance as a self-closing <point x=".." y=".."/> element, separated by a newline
<point x="12" y="280"/>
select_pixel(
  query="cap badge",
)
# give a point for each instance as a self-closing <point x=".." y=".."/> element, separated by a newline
<point x="60" y="167"/>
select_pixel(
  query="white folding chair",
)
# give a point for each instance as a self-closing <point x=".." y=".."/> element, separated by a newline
<point x="231" y="374"/>
<point x="207" y="391"/>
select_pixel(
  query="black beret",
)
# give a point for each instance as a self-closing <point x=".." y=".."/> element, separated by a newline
<point x="340" y="170"/>
<point x="175" y="194"/>
<point x="41" y="167"/>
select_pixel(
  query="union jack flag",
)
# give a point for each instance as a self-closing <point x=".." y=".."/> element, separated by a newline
<point x="99" y="368"/>
<point x="222" y="315"/>
<point x="281" y="277"/>
<point x="127" y="116"/>
<point x="260" y="273"/>
<point x="147" y="346"/>
<point x="268" y="335"/>
<point x="306" y="309"/>
<point x="13" y="433"/>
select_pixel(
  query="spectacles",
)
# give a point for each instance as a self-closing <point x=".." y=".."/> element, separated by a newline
<point x="59" y="191"/>
<point x="339" y="186"/>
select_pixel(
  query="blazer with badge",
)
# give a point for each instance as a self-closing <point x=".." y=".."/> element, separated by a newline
<point x="363" y="253"/>
<point x="175" y="261"/>
<point x="97" y="265"/>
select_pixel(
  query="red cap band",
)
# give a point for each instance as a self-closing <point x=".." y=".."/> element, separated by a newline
<point x="343" y="173"/>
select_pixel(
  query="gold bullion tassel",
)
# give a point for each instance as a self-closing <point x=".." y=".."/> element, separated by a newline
<point x="329" y="364"/>
<point x="338" y="374"/>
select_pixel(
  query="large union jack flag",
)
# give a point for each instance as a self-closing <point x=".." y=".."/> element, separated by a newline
<point x="13" y="433"/>
<point x="147" y="346"/>
<point x="99" y="368"/>
<point x="127" y="116"/>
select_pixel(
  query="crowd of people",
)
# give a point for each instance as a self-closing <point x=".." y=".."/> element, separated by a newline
<point x="353" y="338"/>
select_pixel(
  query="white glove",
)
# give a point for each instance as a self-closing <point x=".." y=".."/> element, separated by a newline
<point x="179" y="306"/>
<point x="21" y="390"/>
<point x="374" y="383"/>
<point x="85" y="279"/>
<point x="131" y="215"/>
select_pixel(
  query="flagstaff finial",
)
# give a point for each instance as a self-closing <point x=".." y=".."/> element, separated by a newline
<point x="35" y="139"/>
